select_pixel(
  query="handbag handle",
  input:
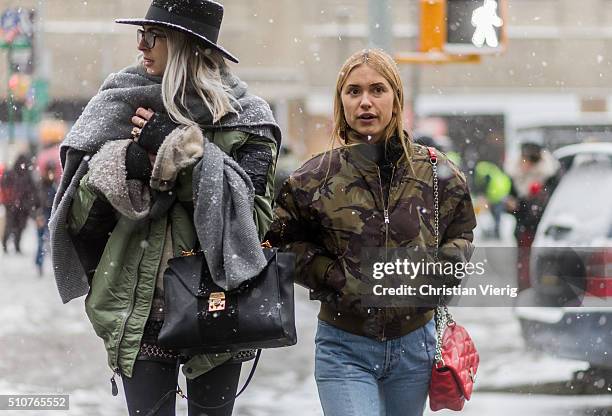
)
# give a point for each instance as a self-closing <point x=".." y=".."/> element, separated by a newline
<point x="178" y="391"/>
<point x="442" y="316"/>
<point x="433" y="159"/>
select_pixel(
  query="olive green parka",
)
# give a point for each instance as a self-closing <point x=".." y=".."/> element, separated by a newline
<point x="122" y="287"/>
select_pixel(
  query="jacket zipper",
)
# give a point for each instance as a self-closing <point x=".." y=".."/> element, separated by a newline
<point x="386" y="208"/>
<point x="125" y="318"/>
<point x="114" y="390"/>
<point x="127" y="315"/>
<point x="387" y="222"/>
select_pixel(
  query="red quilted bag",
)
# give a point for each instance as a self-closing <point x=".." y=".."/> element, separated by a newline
<point x="456" y="361"/>
<point x="455" y="365"/>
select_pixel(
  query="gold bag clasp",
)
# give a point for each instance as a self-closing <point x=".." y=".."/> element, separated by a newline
<point x="216" y="301"/>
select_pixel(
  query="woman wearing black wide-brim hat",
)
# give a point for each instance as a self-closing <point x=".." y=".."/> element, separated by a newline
<point x="139" y="188"/>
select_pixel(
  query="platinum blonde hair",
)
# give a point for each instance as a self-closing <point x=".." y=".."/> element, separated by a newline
<point x="192" y="66"/>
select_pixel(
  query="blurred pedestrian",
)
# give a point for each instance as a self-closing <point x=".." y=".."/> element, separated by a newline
<point x="19" y="196"/>
<point x="50" y="156"/>
<point x="2" y="171"/>
<point x="47" y="188"/>
<point x="376" y="187"/>
<point x="201" y="145"/>
<point x="491" y="182"/>
<point x="534" y="177"/>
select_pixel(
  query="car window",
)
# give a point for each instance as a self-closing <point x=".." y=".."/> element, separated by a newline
<point x="569" y="161"/>
<point x="600" y="160"/>
<point x="582" y="199"/>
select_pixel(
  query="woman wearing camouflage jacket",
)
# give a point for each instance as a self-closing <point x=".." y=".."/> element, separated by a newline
<point x="375" y="190"/>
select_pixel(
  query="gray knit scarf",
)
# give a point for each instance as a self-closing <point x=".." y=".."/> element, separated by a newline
<point x="231" y="248"/>
<point x="108" y="115"/>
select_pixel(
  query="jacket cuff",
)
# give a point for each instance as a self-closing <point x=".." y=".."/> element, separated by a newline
<point x="137" y="163"/>
<point x="319" y="267"/>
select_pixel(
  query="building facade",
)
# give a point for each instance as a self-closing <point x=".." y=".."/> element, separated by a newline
<point x="556" y="67"/>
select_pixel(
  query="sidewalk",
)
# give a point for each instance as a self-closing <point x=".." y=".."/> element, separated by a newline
<point x="48" y="347"/>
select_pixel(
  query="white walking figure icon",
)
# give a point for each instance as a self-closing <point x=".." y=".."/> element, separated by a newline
<point x="485" y="20"/>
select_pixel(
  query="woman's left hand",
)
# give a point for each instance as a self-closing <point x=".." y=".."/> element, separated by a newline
<point x="142" y="116"/>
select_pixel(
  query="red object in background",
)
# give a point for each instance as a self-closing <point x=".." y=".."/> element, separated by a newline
<point x="1" y="190"/>
<point x="9" y="35"/>
<point x="599" y="273"/>
<point x="535" y="188"/>
<point x="48" y="156"/>
<point x="525" y="240"/>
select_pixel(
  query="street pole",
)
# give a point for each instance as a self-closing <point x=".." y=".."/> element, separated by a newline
<point x="381" y="36"/>
<point x="41" y="69"/>
<point x="380" y="25"/>
<point x="9" y="105"/>
<point x="415" y="78"/>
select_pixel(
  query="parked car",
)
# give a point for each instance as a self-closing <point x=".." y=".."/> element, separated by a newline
<point x="568" y="310"/>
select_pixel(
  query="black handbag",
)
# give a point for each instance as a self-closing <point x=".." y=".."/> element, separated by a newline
<point x="201" y="317"/>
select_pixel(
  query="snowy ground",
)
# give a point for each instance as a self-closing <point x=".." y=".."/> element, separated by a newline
<point x="47" y="347"/>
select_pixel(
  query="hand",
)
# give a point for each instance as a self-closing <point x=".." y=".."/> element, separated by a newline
<point x="140" y="119"/>
<point x="325" y="295"/>
<point x="156" y="128"/>
<point x="137" y="163"/>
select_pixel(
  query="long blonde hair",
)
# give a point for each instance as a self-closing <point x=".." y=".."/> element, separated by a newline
<point x="384" y="64"/>
<point x="191" y="64"/>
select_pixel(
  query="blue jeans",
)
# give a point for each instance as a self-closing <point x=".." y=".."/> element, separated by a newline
<point x="360" y="376"/>
<point x="43" y="237"/>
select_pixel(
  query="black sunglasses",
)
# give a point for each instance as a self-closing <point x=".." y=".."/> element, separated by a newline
<point x="148" y="37"/>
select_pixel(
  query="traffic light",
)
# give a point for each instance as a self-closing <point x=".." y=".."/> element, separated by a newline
<point x="475" y="26"/>
<point x="466" y="27"/>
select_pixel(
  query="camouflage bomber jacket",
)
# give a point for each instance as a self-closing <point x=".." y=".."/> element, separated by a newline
<point x="334" y="206"/>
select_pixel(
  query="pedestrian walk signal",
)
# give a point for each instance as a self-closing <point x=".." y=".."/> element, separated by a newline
<point x="475" y="26"/>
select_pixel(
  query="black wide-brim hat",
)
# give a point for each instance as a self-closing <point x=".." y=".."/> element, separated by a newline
<point x="198" y="18"/>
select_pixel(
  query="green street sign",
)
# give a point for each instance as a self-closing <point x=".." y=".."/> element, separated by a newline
<point x="18" y="44"/>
